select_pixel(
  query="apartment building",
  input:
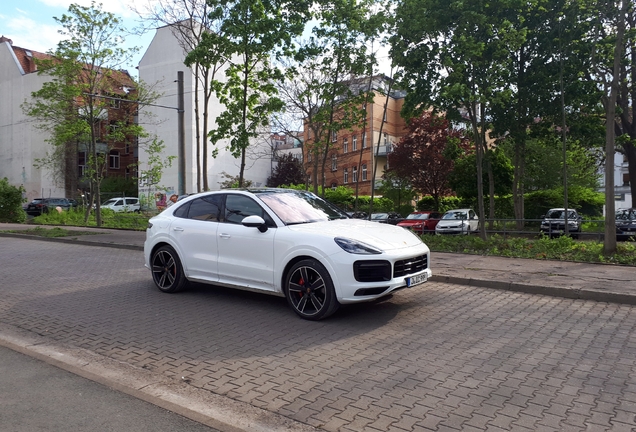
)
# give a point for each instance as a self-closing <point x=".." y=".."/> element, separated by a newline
<point x="355" y="155"/>
<point x="22" y="143"/>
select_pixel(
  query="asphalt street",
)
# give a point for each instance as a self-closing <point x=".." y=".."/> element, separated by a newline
<point x="36" y="396"/>
<point x="442" y="357"/>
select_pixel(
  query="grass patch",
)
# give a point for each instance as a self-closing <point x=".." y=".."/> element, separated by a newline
<point x="560" y="248"/>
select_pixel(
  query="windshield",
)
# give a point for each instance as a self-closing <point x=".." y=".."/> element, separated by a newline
<point x="110" y="202"/>
<point x="560" y="214"/>
<point x="626" y="215"/>
<point x="300" y="207"/>
<point x="379" y="216"/>
<point x="455" y="215"/>
<point x="421" y="216"/>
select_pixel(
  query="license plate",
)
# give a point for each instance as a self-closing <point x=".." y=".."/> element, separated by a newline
<point x="416" y="280"/>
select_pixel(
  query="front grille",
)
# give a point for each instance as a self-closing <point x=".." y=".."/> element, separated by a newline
<point x="410" y="266"/>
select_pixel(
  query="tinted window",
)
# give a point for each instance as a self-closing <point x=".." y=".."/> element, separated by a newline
<point x="206" y="208"/>
<point x="238" y="207"/>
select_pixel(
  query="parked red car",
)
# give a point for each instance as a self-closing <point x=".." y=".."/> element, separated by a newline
<point x="421" y="222"/>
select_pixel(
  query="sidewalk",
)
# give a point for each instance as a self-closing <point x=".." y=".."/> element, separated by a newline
<point x="600" y="282"/>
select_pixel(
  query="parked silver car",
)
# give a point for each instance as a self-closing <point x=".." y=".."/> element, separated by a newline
<point x="458" y="221"/>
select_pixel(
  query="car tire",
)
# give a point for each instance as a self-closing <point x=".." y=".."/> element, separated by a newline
<point x="167" y="271"/>
<point x="309" y="290"/>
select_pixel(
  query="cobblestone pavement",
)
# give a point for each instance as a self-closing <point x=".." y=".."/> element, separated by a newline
<point x="441" y="357"/>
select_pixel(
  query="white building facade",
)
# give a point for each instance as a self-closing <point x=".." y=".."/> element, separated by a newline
<point x="21" y="142"/>
<point x="160" y="64"/>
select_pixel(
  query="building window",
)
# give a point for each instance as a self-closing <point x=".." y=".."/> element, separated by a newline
<point x="625" y="179"/>
<point x="386" y="139"/>
<point x="364" y="172"/>
<point x="345" y="178"/>
<point x="345" y="145"/>
<point x="309" y="157"/>
<point x="113" y="160"/>
<point x="334" y="136"/>
<point x="364" y="140"/>
<point x="354" y="143"/>
<point x="355" y="174"/>
<point x="81" y="164"/>
<point x="384" y="117"/>
<point x="115" y="103"/>
<point x="334" y="162"/>
<point x="127" y="147"/>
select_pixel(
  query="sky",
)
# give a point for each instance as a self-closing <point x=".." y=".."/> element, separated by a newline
<point x="30" y="24"/>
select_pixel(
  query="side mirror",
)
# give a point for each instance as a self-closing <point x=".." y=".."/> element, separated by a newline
<point x="255" y="222"/>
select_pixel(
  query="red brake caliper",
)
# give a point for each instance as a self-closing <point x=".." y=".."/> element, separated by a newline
<point x="301" y="282"/>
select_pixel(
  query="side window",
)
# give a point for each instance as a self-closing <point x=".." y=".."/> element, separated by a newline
<point x="205" y="208"/>
<point x="237" y="207"/>
<point x="119" y="202"/>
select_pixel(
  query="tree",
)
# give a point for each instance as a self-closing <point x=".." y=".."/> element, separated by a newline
<point x="424" y="154"/>
<point x="86" y="81"/>
<point x="452" y="57"/>
<point x="324" y="89"/>
<point x="11" y="199"/>
<point x="189" y="21"/>
<point x="251" y="31"/>
<point x="288" y="171"/>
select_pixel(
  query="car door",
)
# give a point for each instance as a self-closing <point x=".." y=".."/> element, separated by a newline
<point x="195" y="231"/>
<point x="246" y="255"/>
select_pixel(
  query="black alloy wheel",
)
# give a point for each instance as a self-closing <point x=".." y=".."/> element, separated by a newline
<point x="309" y="290"/>
<point x="167" y="271"/>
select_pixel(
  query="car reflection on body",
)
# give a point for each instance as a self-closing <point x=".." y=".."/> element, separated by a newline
<point x="626" y="224"/>
<point x="459" y="221"/>
<point x="284" y="242"/>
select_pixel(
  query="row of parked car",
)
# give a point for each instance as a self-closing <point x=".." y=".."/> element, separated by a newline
<point x="41" y="206"/>
<point x="466" y="221"/>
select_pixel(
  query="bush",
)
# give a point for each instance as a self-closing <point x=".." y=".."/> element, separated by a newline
<point x="11" y="203"/>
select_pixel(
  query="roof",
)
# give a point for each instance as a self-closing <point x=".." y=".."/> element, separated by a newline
<point x="24" y="56"/>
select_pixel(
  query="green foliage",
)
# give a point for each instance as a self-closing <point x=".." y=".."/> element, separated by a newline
<point x="560" y="248"/>
<point x="463" y="177"/>
<point x="446" y="203"/>
<point x="110" y="219"/>
<point x="119" y="186"/>
<point x="234" y="182"/>
<point x="11" y="202"/>
<point x="587" y="201"/>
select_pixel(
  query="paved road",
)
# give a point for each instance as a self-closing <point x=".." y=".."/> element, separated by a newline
<point x="443" y="357"/>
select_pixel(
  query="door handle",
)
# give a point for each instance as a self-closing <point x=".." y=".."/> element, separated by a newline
<point x="177" y="229"/>
<point x="224" y="235"/>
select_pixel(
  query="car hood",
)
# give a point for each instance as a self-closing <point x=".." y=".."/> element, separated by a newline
<point x="383" y="236"/>
<point x="411" y="222"/>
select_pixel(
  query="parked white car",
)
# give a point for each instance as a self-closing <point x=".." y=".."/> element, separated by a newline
<point x="282" y="242"/>
<point x="459" y="221"/>
<point x="123" y="204"/>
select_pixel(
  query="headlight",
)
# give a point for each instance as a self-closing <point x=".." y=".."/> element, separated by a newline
<point x="356" y="247"/>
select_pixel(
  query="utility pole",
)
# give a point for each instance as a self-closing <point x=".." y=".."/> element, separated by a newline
<point x="181" y="131"/>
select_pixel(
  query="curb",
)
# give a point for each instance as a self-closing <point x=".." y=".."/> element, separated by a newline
<point x="569" y="293"/>
<point x="73" y="240"/>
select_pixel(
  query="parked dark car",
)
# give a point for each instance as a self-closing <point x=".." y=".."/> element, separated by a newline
<point x="358" y="215"/>
<point x="390" y="218"/>
<point x="553" y="223"/>
<point x="626" y="224"/>
<point x="421" y="221"/>
<point x="43" y="205"/>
